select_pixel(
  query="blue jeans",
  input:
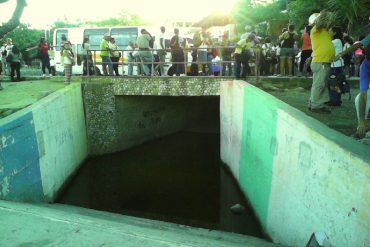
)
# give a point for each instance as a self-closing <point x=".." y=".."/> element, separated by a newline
<point x="146" y="59"/>
<point x="130" y="65"/>
<point x="107" y="61"/>
<point x="209" y="63"/>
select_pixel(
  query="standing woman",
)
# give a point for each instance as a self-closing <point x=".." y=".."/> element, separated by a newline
<point x="306" y="50"/>
<point x="287" y="50"/>
<point x="44" y="55"/>
<point x="177" y="43"/>
<point x="68" y="60"/>
<point x="87" y="57"/>
<point x="114" y="55"/>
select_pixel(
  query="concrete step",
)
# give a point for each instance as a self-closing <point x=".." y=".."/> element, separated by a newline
<point x="62" y="225"/>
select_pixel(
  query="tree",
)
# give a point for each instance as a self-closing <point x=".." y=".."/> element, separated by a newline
<point x="272" y="15"/>
<point x="24" y="38"/>
<point x="348" y="14"/>
<point x="14" y="20"/>
<point x="299" y="11"/>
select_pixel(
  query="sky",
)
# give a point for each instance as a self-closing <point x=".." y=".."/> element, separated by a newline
<point x="43" y="13"/>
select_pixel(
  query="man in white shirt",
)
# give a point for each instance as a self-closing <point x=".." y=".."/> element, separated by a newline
<point x="161" y="50"/>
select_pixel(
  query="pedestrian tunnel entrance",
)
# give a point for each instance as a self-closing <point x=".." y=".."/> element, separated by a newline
<point x="163" y="143"/>
<point x="162" y="161"/>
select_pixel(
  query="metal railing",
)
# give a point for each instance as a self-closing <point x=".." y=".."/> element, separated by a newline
<point x="154" y="64"/>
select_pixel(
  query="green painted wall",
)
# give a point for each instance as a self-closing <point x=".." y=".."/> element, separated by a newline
<point x="258" y="148"/>
<point x="299" y="175"/>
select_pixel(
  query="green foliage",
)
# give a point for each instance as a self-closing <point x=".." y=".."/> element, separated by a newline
<point x="348" y="14"/>
<point x="350" y="10"/>
<point x="344" y="13"/>
<point x="24" y="38"/>
<point x="265" y="19"/>
<point x="300" y="11"/>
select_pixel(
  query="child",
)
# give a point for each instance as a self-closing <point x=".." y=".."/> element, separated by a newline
<point x="68" y="60"/>
<point x="362" y="100"/>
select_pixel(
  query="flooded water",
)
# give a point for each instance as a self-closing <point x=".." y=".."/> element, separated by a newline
<point x="178" y="178"/>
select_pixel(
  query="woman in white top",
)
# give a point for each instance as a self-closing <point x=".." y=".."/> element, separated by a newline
<point x="114" y="55"/>
<point x="87" y="57"/>
<point x="337" y="66"/>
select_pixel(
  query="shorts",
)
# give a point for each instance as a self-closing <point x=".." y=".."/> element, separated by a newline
<point x="287" y="52"/>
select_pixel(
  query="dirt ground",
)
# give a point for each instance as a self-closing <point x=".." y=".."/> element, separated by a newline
<point x="342" y="118"/>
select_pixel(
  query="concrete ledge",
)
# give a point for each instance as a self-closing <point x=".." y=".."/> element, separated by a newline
<point x="60" y="225"/>
<point x="161" y="86"/>
<point x="299" y="175"/>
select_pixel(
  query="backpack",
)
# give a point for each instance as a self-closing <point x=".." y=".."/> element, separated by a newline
<point x="337" y="86"/>
<point x="270" y="54"/>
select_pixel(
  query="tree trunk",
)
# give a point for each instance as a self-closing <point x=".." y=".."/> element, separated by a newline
<point x="14" y="21"/>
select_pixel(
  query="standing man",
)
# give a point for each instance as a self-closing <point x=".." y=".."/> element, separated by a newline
<point x="144" y="54"/>
<point x="161" y="46"/>
<point x="323" y="54"/>
<point x="243" y="50"/>
<point x="105" y="55"/>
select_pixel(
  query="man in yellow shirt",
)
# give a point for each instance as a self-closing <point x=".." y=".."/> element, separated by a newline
<point x="242" y="55"/>
<point x="322" y="56"/>
<point x="105" y="55"/>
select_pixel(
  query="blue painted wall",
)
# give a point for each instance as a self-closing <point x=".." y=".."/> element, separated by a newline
<point x="19" y="151"/>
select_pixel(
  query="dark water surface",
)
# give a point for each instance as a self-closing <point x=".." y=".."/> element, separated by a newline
<point x="178" y="178"/>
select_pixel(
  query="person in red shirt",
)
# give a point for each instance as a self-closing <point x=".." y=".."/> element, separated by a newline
<point x="306" y="50"/>
<point x="44" y="56"/>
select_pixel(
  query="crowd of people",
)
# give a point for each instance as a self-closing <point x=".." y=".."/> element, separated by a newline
<point x="321" y="51"/>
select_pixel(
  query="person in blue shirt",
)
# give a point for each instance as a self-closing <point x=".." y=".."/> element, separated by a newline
<point x="362" y="100"/>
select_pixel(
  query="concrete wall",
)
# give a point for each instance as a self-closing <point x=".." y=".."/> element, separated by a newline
<point x="116" y="120"/>
<point x="41" y="146"/>
<point x="299" y="175"/>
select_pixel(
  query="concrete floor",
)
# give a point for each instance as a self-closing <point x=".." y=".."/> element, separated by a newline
<point x="60" y="225"/>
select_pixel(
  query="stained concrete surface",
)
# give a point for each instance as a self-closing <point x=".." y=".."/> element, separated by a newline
<point x="60" y="225"/>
